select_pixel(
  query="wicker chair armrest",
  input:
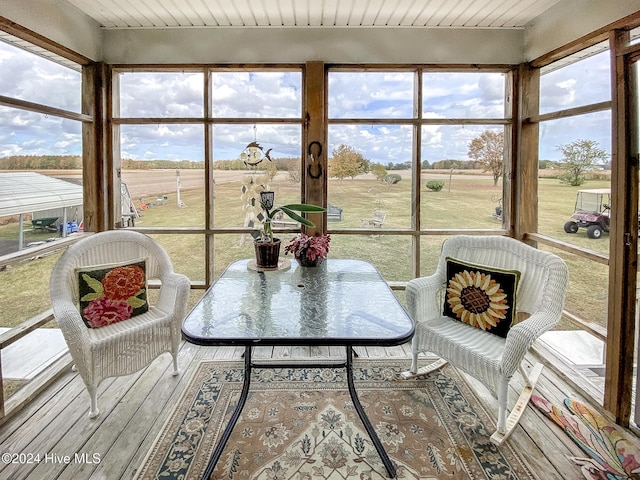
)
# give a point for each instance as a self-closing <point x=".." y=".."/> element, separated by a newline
<point x="521" y="337"/>
<point x="72" y="326"/>
<point x="424" y="297"/>
<point x="174" y="293"/>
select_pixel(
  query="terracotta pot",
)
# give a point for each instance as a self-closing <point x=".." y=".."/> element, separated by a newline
<point x="267" y="253"/>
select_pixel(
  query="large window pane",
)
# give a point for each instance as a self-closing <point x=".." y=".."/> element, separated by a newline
<point x="163" y="170"/>
<point x="229" y="248"/>
<point x="458" y="192"/>
<point x="390" y="254"/>
<point x="572" y="83"/>
<point x="41" y="195"/>
<point x="49" y="148"/>
<point x="369" y="171"/>
<point x="238" y="183"/>
<point x="463" y="95"/>
<point x="161" y="94"/>
<point x="186" y="253"/>
<point x="27" y="76"/>
<point x="557" y="196"/>
<point x="430" y="249"/>
<point x="256" y="94"/>
<point x="24" y="133"/>
<point x="371" y="94"/>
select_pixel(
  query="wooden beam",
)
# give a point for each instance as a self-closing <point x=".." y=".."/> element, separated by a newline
<point x="34" y="38"/>
<point x="525" y="203"/>
<point x="112" y="161"/>
<point x="315" y="164"/>
<point x="582" y="252"/>
<point x="16" y="333"/>
<point x="209" y="184"/>
<point x="572" y="112"/>
<point x="92" y="138"/>
<point x="416" y="179"/>
<point x="512" y="132"/>
<point x="623" y="235"/>
<point x="600" y="35"/>
<point x="90" y="169"/>
<point x="43" y="109"/>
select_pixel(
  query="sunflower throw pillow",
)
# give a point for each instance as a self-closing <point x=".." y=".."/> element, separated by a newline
<point x="481" y="296"/>
<point x="112" y="293"/>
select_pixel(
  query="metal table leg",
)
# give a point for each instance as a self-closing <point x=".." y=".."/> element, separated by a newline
<point x="391" y="469"/>
<point x="234" y="418"/>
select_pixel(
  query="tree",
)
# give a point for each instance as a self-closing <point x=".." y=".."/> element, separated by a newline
<point x="347" y="162"/>
<point x="580" y="156"/>
<point x="379" y="171"/>
<point x="487" y="150"/>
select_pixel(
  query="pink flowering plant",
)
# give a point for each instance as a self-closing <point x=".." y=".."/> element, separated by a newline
<point x="311" y="247"/>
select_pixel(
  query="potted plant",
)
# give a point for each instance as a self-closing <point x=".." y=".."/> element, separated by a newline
<point x="309" y="251"/>
<point x="268" y="248"/>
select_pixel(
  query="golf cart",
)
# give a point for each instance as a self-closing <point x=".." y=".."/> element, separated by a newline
<point x="591" y="212"/>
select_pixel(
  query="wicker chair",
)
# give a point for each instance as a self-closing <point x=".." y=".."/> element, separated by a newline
<point x="125" y="347"/>
<point x="490" y="359"/>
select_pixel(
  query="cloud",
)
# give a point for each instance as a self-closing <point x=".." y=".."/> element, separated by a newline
<point x="581" y="83"/>
<point x="262" y="94"/>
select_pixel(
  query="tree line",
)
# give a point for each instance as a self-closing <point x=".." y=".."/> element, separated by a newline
<point x="74" y="162"/>
<point x="41" y="162"/>
<point x="485" y="152"/>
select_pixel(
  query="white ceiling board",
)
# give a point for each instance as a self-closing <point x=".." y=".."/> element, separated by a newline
<point x="302" y="13"/>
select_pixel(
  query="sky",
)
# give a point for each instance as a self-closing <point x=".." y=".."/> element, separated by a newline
<point x="364" y="95"/>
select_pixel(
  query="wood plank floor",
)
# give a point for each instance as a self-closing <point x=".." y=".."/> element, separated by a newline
<point x="134" y="408"/>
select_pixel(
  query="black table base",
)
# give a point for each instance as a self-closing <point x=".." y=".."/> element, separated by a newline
<point x="248" y="365"/>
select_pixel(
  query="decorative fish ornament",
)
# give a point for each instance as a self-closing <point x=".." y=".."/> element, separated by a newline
<point x="253" y="154"/>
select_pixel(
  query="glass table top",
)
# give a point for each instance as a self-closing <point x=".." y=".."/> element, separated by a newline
<point x="341" y="302"/>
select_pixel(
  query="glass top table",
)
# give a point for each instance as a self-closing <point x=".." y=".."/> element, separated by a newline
<point x="341" y="302"/>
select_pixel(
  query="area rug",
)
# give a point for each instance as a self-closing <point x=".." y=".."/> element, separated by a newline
<point x="610" y="455"/>
<point x="301" y="424"/>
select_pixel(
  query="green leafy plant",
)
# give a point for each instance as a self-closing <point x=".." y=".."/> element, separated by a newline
<point x="266" y="201"/>
<point x="435" y="185"/>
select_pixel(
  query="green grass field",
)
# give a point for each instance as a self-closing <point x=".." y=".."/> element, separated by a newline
<point x="466" y="201"/>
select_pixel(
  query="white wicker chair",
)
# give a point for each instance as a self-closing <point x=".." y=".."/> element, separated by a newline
<point x="125" y="347"/>
<point x="490" y="359"/>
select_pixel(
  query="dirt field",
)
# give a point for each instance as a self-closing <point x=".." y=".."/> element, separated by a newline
<point x="145" y="183"/>
<point x="155" y="182"/>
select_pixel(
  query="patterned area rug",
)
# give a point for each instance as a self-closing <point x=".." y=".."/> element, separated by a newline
<point x="301" y="424"/>
<point x="610" y="454"/>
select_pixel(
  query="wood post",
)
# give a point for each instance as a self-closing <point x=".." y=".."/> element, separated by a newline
<point x="314" y="153"/>
<point x="525" y="177"/>
<point x="623" y="238"/>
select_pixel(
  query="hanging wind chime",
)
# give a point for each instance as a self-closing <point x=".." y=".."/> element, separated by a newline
<point x="252" y="184"/>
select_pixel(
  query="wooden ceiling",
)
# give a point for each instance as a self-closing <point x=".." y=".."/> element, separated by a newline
<point x="316" y="13"/>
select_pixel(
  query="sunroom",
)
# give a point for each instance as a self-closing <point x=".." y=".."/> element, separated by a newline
<point x="369" y="108"/>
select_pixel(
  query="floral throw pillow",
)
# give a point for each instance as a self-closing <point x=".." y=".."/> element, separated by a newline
<point x="481" y="296"/>
<point x="112" y="293"/>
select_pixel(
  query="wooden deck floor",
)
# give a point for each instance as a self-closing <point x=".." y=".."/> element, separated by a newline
<point x="135" y="407"/>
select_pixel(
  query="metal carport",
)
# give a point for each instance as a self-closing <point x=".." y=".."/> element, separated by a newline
<point x="28" y="192"/>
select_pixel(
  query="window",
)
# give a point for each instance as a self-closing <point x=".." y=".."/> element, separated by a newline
<point x="574" y="198"/>
<point x="41" y="194"/>
<point x="574" y="146"/>
<point x="172" y="140"/>
<point x="40" y="149"/>
<point x="377" y="131"/>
